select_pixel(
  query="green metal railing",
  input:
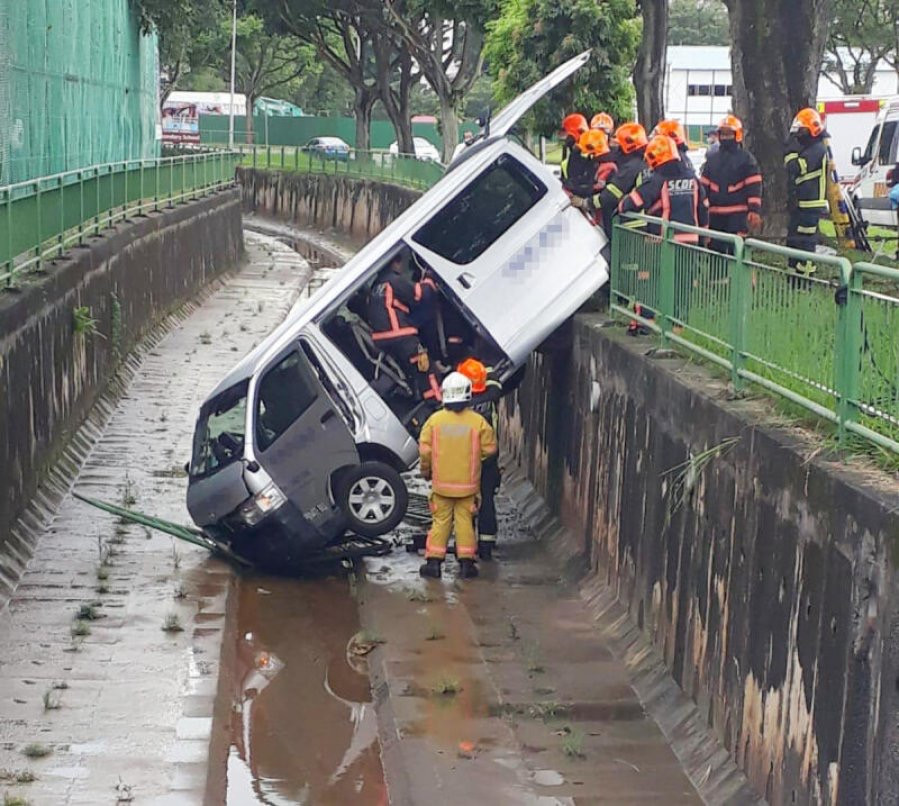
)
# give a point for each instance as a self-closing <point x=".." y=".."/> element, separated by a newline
<point x="41" y="218"/>
<point x="399" y="169"/>
<point x="828" y="342"/>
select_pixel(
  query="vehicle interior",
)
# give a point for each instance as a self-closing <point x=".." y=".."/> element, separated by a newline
<point x="446" y="333"/>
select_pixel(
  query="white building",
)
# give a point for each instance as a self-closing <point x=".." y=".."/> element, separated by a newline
<point x="698" y="85"/>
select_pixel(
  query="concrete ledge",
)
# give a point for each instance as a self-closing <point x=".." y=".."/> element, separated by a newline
<point x="764" y="575"/>
<point x="129" y="279"/>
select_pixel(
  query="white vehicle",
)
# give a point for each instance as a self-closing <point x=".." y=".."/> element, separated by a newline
<point x="871" y="187"/>
<point x="307" y="435"/>
<point x="424" y="149"/>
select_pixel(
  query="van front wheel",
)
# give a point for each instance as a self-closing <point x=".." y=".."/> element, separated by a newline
<point x="374" y="498"/>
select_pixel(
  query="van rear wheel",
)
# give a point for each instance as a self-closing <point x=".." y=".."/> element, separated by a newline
<point x="374" y="498"/>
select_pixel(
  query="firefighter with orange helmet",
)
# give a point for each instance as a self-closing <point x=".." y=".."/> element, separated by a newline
<point x="806" y="163"/>
<point x="576" y="168"/>
<point x="604" y="122"/>
<point x="672" y="191"/>
<point x="632" y="141"/>
<point x="675" y="130"/>
<point x="485" y="395"/>
<point x="733" y="183"/>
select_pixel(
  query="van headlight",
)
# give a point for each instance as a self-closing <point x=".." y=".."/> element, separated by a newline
<point x="267" y="500"/>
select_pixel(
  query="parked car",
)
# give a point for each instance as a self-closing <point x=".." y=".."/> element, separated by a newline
<point x="331" y="148"/>
<point x="870" y="189"/>
<point x="424" y="149"/>
<point x="309" y="433"/>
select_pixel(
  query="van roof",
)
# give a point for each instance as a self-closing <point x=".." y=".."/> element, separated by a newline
<point x="306" y="310"/>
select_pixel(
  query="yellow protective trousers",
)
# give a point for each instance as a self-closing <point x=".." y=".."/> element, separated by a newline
<point x="448" y="515"/>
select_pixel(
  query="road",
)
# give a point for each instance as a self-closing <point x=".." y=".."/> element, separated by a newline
<point x="366" y="686"/>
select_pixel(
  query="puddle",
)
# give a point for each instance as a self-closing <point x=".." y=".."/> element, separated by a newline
<point x="302" y="724"/>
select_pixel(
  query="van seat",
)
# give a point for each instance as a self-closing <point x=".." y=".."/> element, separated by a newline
<point x="383" y="365"/>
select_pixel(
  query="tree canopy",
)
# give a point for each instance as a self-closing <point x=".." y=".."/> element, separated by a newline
<point x="697" y="22"/>
<point x="861" y="34"/>
<point x="531" y="37"/>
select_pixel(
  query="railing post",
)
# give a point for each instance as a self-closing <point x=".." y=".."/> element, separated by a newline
<point x="62" y="216"/>
<point x="849" y="343"/>
<point x="125" y="201"/>
<point x="81" y="208"/>
<point x="39" y="230"/>
<point x="9" y="254"/>
<point x="740" y="281"/>
<point x="666" y="283"/>
<point x="109" y="212"/>
<point x="140" y="201"/>
<point x="615" y="267"/>
<point x="283" y="166"/>
<point x="158" y="170"/>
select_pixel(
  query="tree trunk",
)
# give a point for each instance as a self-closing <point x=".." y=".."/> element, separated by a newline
<point x="250" y="134"/>
<point x="449" y="127"/>
<point x="394" y="75"/>
<point x="776" y="53"/>
<point x="649" y="70"/>
<point x="363" y="102"/>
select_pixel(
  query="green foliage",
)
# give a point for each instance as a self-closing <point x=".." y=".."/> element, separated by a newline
<point x="531" y="37"/>
<point x="83" y="323"/>
<point x="859" y="36"/>
<point x="697" y="22"/>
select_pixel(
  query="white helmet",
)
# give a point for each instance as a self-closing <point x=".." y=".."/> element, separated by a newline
<point x="456" y="388"/>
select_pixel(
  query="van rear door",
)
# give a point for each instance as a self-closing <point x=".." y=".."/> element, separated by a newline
<point x="300" y="438"/>
<point x="515" y="252"/>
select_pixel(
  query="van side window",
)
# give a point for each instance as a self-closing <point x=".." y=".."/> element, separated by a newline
<point x="469" y="224"/>
<point x="869" y="149"/>
<point x="887" y="152"/>
<point x="285" y="392"/>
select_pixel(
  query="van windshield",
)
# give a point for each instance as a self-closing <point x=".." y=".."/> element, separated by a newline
<point x="219" y="436"/>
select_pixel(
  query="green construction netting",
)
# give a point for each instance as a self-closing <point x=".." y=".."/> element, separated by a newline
<point x="78" y="86"/>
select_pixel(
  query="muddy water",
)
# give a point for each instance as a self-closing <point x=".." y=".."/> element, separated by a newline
<point x="301" y="722"/>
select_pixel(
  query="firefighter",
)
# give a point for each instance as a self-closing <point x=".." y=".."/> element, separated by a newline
<point x="631" y="139"/>
<point x="604" y="122"/>
<point x="594" y="144"/>
<point x="577" y="169"/>
<point x="453" y="444"/>
<point x="673" y="193"/>
<point x="675" y="130"/>
<point x="733" y="183"/>
<point x="486" y="393"/>
<point x="806" y="163"/>
<point x="392" y="299"/>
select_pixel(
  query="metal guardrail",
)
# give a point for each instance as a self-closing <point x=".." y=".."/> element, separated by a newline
<point x="399" y="169"/>
<point x="828" y="342"/>
<point x="40" y="218"/>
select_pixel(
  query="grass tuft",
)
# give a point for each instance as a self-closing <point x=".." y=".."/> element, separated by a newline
<point x="172" y="623"/>
<point x="36" y="750"/>
<point x="446" y="687"/>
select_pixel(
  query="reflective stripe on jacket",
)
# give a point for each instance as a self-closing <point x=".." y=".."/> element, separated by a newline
<point x="451" y="446"/>
<point x="806" y="165"/>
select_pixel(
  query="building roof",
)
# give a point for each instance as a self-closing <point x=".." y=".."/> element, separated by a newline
<point x="698" y="57"/>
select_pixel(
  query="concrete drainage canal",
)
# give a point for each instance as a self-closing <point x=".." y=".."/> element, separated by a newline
<point x="137" y="670"/>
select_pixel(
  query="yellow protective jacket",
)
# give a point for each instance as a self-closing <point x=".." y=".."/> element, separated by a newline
<point x="452" y="446"/>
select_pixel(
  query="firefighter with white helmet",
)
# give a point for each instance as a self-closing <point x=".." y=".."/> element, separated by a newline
<point x="452" y="445"/>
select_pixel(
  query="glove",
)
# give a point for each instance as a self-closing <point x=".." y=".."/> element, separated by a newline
<point x="755" y="223"/>
<point x="424" y="363"/>
<point x="578" y="201"/>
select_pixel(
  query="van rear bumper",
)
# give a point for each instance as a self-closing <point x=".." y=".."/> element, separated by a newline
<point x="282" y="539"/>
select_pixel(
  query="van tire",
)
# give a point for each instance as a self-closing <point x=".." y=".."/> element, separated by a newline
<point x="388" y="503"/>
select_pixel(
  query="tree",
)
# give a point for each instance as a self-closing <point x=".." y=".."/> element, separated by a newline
<point x="446" y="41"/>
<point x="776" y="53"/>
<point x="697" y="22"/>
<point x="861" y="35"/>
<point x="649" y="69"/>
<point x="531" y="37"/>
<point x="179" y="25"/>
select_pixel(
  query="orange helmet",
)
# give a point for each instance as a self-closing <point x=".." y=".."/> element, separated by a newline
<point x="630" y="137"/>
<point x="734" y="124"/>
<point x="604" y="122"/>
<point x="476" y="372"/>
<point x="594" y="143"/>
<point x="661" y="149"/>
<point x="574" y="125"/>
<point x="671" y="128"/>
<point x="808" y="119"/>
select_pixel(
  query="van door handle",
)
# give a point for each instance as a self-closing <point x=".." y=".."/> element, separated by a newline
<point x="465" y="279"/>
<point x="326" y="416"/>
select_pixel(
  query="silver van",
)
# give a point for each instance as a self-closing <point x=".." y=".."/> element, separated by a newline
<point x="307" y="436"/>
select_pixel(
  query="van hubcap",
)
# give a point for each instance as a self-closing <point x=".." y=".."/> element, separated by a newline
<point x="372" y="499"/>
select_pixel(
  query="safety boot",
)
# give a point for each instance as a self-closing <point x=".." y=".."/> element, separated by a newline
<point x="431" y="568"/>
<point x="467" y="569"/>
<point x="485" y="550"/>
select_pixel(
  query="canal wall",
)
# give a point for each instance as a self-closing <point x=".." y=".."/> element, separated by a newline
<point x="65" y="332"/>
<point x="764" y="575"/>
<point x="358" y="209"/>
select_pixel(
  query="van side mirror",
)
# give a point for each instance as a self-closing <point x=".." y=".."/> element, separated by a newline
<point x="857" y="158"/>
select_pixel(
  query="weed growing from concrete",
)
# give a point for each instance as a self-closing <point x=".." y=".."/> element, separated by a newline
<point x="416" y="595"/>
<point x="36" y="750"/>
<point x="547" y="710"/>
<point x="176" y="556"/>
<point x="163" y="417"/>
<point x="74" y="645"/>
<point x="102" y="588"/>
<point x="686" y="475"/>
<point x="371" y="637"/>
<point x="446" y="687"/>
<point x="103" y="572"/>
<point x="52" y="700"/>
<point x="573" y="745"/>
<point x="17" y="776"/>
<point x="129" y="493"/>
<point x="124" y="792"/>
<point x="205" y="337"/>
<point x="83" y="323"/>
<point x="243" y="327"/>
<point x="80" y="629"/>
<point x="172" y="623"/>
<point x="15" y="800"/>
<point x="60" y="686"/>
<point x="532" y="658"/>
<point x="260" y="307"/>
<point x="87" y="612"/>
<point x="179" y="592"/>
